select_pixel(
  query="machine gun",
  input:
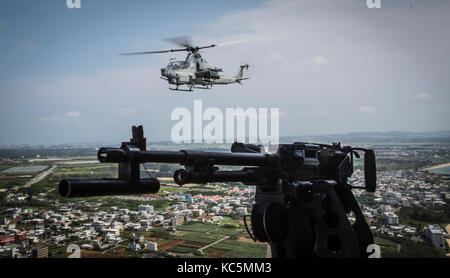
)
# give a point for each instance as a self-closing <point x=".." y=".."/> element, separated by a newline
<point x="302" y="195"/>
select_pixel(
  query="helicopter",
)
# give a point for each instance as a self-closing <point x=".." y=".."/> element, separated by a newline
<point x="194" y="72"/>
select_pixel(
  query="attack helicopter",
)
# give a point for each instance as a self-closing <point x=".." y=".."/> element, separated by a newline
<point x="194" y="72"/>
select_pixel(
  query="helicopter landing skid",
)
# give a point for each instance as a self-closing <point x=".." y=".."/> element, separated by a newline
<point x="182" y="90"/>
<point x="191" y="86"/>
<point x="203" y="87"/>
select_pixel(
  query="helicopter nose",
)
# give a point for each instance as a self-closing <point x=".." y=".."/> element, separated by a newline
<point x="163" y="71"/>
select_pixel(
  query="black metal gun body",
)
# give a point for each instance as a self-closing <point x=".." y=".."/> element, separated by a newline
<point x="302" y="196"/>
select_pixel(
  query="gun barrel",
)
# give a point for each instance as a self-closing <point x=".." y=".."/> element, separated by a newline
<point x="182" y="176"/>
<point x="184" y="157"/>
<point x="72" y="188"/>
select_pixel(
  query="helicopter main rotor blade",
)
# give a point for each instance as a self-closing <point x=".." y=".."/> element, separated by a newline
<point x="184" y="41"/>
<point x="153" y="52"/>
<point x="208" y="46"/>
<point x="236" y="41"/>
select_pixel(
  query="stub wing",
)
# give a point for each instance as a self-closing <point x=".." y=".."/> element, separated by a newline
<point x="238" y="80"/>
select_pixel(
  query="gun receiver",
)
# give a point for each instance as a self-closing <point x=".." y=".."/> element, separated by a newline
<point x="302" y="195"/>
<point x="129" y="181"/>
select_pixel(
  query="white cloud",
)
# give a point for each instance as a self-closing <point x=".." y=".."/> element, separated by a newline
<point x="422" y="96"/>
<point x="52" y="119"/>
<point x="283" y="114"/>
<point x="62" y="118"/>
<point x="366" y="109"/>
<point x="125" y="111"/>
<point x="73" y="114"/>
<point x="319" y="60"/>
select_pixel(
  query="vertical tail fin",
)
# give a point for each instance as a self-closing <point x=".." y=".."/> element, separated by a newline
<point x="240" y="73"/>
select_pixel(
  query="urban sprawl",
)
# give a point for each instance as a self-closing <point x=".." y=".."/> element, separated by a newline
<point x="201" y="220"/>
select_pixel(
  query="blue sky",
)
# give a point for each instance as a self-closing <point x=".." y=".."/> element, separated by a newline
<point x="45" y="37"/>
<point x="329" y="67"/>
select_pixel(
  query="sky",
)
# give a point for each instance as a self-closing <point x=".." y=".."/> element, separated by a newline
<point x="329" y="66"/>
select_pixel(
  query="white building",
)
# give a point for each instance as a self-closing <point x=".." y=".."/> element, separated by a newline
<point x="58" y="238"/>
<point x="391" y="197"/>
<point x="390" y="218"/>
<point x="146" y="208"/>
<point x="235" y="202"/>
<point x="215" y="219"/>
<point x="405" y="202"/>
<point x="385" y="208"/>
<point x="434" y="235"/>
<point x="87" y="246"/>
<point x="198" y="212"/>
<point x="133" y="246"/>
<point x="177" y="220"/>
<point x="215" y="209"/>
<point x="115" y="232"/>
<point x="152" y="246"/>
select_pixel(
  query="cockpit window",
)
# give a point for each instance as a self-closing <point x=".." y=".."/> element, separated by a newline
<point x="178" y="65"/>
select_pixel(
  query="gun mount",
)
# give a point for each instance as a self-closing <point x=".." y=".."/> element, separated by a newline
<point x="302" y="195"/>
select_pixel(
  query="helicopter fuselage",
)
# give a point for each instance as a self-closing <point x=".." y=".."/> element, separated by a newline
<point x="195" y="70"/>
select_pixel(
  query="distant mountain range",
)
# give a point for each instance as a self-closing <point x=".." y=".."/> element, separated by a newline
<point x="382" y="137"/>
<point x="360" y="137"/>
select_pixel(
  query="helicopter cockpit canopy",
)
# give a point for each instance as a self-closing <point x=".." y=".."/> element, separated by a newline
<point x="178" y="65"/>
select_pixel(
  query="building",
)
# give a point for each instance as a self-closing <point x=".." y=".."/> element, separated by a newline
<point x="385" y="208"/>
<point x="39" y="252"/>
<point x="177" y="220"/>
<point x="125" y="211"/>
<point x="187" y="218"/>
<point x="6" y="239"/>
<point x="198" y="212"/>
<point x="405" y="202"/>
<point x="152" y="246"/>
<point x="391" y="197"/>
<point x="133" y="246"/>
<point x="215" y="209"/>
<point x="87" y="246"/>
<point x="215" y="219"/>
<point x="10" y="253"/>
<point x="241" y="211"/>
<point x="114" y="232"/>
<point x="390" y="218"/>
<point x="434" y="235"/>
<point x="146" y="208"/>
<point x="57" y="239"/>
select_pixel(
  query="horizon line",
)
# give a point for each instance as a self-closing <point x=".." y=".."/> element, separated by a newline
<point x="284" y="136"/>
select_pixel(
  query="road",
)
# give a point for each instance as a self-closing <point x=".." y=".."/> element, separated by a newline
<point x="117" y="245"/>
<point x="41" y="176"/>
<point x="215" y="242"/>
<point x="175" y="254"/>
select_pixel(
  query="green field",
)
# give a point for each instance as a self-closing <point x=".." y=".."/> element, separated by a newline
<point x="198" y="237"/>
<point x="183" y="248"/>
<point x="197" y="227"/>
<point x="384" y="242"/>
<point x="238" y="249"/>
